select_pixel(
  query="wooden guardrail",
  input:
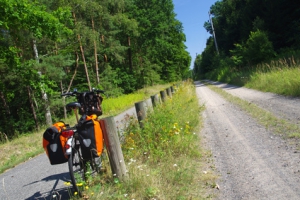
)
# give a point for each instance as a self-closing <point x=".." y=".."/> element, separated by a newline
<point x="111" y="132"/>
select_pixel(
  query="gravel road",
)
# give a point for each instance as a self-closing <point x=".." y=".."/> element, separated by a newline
<point x="252" y="162"/>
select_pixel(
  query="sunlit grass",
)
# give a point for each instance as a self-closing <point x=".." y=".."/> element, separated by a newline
<point x="164" y="159"/>
<point x="20" y="150"/>
<point x="279" y="76"/>
<point x="284" y="80"/>
<point x="113" y="106"/>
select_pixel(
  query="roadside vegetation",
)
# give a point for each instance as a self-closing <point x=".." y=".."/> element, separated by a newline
<point x="164" y="159"/>
<point x="258" y="48"/>
<point x="278" y="76"/>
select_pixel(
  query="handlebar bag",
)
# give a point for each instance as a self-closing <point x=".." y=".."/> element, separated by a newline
<point x="54" y="143"/>
<point x="90" y="104"/>
<point x="91" y="137"/>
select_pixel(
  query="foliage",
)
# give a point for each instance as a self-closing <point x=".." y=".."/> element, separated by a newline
<point x="256" y="49"/>
<point x="50" y="47"/>
<point x="250" y="32"/>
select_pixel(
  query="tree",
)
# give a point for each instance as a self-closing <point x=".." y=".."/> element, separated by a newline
<point x="20" y="23"/>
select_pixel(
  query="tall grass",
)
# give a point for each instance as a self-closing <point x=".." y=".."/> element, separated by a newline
<point x="164" y="159"/>
<point x="279" y="76"/>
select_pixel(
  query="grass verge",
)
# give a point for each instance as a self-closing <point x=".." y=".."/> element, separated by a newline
<point x="116" y="105"/>
<point x="266" y="118"/>
<point x="279" y="76"/>
<point x="164" y="159"/>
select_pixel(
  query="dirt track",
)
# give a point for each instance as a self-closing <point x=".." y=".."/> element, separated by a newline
<point x="252" y="162"/>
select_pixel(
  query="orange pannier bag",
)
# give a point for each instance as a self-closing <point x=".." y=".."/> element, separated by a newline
<point x="90" y="136"/>
<point x="54" y="143"/>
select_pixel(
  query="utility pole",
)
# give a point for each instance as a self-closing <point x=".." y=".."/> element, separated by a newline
<point x="215" y="39"/>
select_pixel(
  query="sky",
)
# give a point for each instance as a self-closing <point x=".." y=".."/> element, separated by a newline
<point x="192" y="14"/>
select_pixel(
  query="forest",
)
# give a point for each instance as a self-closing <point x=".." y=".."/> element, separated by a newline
<point x="247" y="33"/>
<point x="48" y="47"/>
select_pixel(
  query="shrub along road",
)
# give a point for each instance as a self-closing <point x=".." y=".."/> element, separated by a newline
<point x="253" y="163"/>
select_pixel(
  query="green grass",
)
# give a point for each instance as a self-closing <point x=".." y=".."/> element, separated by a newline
<point x="164" y="159"/>
<point x="284" y="81"/>
<point x="279" y="76"/>
<point x="113" y="106"/>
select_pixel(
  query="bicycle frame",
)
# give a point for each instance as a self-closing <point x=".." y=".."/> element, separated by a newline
<point x="78" y="164"/>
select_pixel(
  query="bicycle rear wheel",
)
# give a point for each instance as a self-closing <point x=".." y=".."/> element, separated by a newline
<point x="77" y="167"/>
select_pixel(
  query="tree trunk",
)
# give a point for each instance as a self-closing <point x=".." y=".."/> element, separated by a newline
<point x="129" y="55"/>
<point x="5" y="118"/>
<point x="44" y="94"/>
<point x="83" y="57"/>
<point x="95" y="54"/>
<point x="32" y="108"/>
<point x="4" y="103"/>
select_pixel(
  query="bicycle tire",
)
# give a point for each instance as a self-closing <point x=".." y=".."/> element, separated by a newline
<point x="76" y="167"/>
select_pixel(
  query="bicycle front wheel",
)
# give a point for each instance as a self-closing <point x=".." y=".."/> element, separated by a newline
<point x="76" y="167"/>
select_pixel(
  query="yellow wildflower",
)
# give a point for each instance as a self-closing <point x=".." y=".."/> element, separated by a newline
<point x="67" y="183"/>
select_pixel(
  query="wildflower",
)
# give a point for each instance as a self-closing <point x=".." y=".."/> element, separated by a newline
<point x="79" y="184"/>
<point x="175" y="165"/>
<point x="92" y="193"/>
<point x="67" y="183"/>
<point x="125" y="195"/>
<point x="75" y="193"/>
<point x="86" y="187"/>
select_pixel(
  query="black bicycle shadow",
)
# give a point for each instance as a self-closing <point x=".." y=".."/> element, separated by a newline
<point x="55" y="193"/>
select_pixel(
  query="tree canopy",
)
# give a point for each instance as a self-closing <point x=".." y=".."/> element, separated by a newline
<point x="251" y="31"/>
<point x="50" y="47"/>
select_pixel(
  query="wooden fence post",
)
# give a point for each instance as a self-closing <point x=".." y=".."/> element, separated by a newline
<point x="113" y="146"/>
<point x="155" y="100"/>
<point x="141" y="112"/>
<point x="163" y="95"/>
<point x="172" y="90"/>
<point x="169" y="93"/>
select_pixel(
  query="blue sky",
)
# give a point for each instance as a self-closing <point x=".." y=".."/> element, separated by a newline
<point x="192" y="14"/>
